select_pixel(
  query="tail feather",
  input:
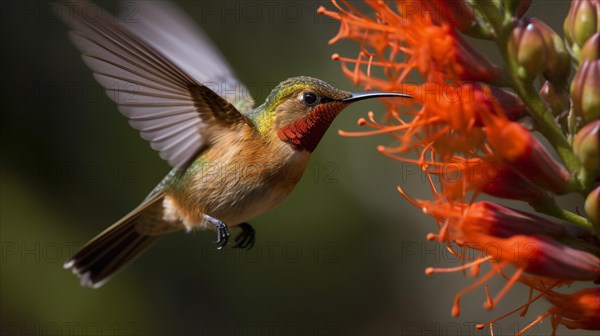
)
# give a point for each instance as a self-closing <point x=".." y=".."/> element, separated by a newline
<point x="116" y="246"/>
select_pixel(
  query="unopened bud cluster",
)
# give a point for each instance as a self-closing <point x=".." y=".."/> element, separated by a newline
<point x="582" y="32"/>
<point x="537" y="49"/>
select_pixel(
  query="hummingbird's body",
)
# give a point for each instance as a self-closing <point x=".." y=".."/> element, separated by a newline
<point x="243" y="175"/>
<point x="231" y="162"/>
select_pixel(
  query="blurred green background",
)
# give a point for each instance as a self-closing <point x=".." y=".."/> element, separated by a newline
<point x="343" y="255"/>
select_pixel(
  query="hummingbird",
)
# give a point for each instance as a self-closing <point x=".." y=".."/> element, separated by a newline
<point x="231" y="161"/>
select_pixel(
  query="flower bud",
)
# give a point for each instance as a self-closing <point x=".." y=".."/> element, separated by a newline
<point x="581" y="23"/>
<point x="547" y="257"/>
<point x="487" y="175"/>
<point x="535" y="47"/>
<point x="510" y="185"/>
<point x="539" y="250"/>
<point x="591" y="49"/>
<point x="499" y="221"/>
<point x="526" y="46"/>
<point x="514" y="145"/>
<point x="579" y="310"/>
<point x="512" y="106"/>
<point x="586" y="146"/>
<point x="592" y="205"/>
<point x="463" y="105"/>
<point x="487" y="97"/>
<point x="558" y="61"/>
<point x="557" y="99"/>
<point x="585" y="90"/>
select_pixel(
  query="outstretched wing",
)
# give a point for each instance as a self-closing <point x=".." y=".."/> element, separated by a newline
<point x="169" y="106"/>
<point x="173" y="33"/>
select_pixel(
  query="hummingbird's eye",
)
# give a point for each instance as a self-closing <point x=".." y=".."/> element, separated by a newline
<point x="309" y="98"/>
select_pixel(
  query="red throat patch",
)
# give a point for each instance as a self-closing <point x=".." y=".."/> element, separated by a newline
<point x="306" y="133"/>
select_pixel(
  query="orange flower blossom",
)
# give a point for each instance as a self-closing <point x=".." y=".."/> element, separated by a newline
<point x="467" y="125"/>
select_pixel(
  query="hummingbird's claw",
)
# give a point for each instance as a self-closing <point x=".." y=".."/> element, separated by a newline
<point x="222" y="232"/>
<point x="222" y="235"/>
<point x="246" y="238"/>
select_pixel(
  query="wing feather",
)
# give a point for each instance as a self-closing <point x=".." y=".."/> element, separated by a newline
<point x="151" y="77"/>
<point x="178" y="36"/>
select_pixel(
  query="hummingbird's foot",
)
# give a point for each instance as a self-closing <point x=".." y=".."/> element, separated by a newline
<point x="222" y="236"/>
<point x="246" y="238"/>
<point x="222" y="231"/>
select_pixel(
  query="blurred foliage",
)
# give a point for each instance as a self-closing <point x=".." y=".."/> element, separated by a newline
<point x="344" y="254"/>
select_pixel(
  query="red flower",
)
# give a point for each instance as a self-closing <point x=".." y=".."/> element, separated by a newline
<point x="468" y="139"/>
<point x="514" y="145"/>
<point x="433" y="49"/>
<point x="580" y="310"/>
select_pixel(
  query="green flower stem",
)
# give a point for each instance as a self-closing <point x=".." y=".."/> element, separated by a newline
<point x="527" y="92"/>
<point x="479" y="30"/>
<point x="552" y="209"/>
<point x="547" y="126"/>
<point x="571" y="125"/>
<point x="574" y="184"/>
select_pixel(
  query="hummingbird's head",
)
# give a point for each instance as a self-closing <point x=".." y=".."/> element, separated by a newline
<point x="301" y="109"/>
<point x="298" y="97"/>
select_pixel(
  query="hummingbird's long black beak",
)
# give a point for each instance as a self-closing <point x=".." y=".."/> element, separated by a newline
<point x="356" y="96"/>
